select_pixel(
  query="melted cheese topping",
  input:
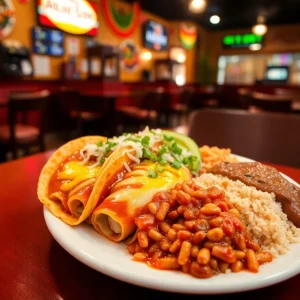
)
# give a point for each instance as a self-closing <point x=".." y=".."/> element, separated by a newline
<point x="73" y="173"/>
<point x="138" y="197"/>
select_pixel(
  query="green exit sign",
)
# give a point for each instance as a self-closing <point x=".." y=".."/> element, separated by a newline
<point x="241" y="40"/>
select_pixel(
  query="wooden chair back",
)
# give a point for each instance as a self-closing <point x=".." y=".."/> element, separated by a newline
<point x="24" y="102"/>
<point x="153" y="100"/>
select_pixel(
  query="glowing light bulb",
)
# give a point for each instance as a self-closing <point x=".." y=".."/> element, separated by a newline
<point x="214" y="19"/>
<point x="197" y="6"/>
<point x="147" y="55"/>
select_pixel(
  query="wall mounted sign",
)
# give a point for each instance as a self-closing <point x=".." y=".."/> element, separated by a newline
<point x="129" y="56"/>
<point x="155" y="36"/>
<point x="72" y="45"/>
<point x="47" y="41"/>
<point x="241" y="40"/>
<point x="187" y="36"/>
<point x="123" y="22"/>
<point x="72" y="16"/>
<point x="7" y="17"/>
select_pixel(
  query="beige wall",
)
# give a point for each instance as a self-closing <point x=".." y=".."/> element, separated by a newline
<point x="26" y="18"/>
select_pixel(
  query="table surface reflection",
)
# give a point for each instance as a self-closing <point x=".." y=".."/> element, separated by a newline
<point x="34" y="266"/>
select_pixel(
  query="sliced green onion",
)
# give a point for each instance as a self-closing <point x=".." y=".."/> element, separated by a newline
<point x="193" y="163"/>
<point x="162" y="150"/>
<point x="168" y="138"/>
<point x="109" y="146"/>
<point x="185" y="160"/>
<point x="176" y="164"/>
<point x="160" y="169"/>
<point x="152" y="174"/>
<point x="145" y="141"/>
<point x="176" y="149"/>
<point x="162" y="161"/>
<point x="146" y="152"/>
<point x="153" y="157"/>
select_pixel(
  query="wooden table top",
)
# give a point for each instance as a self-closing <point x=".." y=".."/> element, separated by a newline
<point x="114" y="94"/>
<point x="34" y="266"/>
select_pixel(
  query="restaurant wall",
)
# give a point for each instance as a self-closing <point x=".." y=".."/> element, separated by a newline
<point x="278" y="39"/>
<point x="26" y="18"/>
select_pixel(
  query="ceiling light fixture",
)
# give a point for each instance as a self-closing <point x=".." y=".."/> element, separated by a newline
<point x="260" y="28"/>
<point x="214" y="19"/>
<point x="197" y="6"/>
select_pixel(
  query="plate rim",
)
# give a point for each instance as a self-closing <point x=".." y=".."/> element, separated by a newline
<point x="124" y="276"/>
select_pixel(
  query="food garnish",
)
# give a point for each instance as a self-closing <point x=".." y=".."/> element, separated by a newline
<point x="161" y="147"/>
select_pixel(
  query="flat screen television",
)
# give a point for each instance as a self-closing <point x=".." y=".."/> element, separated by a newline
<point x="155" y="36"/>
<point x="47" y="41"/>
<point x="277" y="74"/>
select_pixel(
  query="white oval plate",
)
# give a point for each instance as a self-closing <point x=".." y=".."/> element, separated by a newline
<point x="86" y="245"/>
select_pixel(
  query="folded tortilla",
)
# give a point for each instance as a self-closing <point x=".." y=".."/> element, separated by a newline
<point x="67" y="186"/>
<point x="114" y="217"/>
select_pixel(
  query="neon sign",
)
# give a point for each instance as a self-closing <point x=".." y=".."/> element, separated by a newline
<point x="72" y="16"/>
<point x="241" y="40"/>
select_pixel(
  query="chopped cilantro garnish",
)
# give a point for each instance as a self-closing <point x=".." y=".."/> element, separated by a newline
<point x="102" y="160"/>
<point x="152" y="174"/>
<point x="99" y="144"/>
<point x="176" y="164"/>
<point x="168" y="138"/>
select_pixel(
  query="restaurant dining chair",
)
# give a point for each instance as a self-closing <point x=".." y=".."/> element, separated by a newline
<point x="270" y="102"/>
<point x="177" y="111"/>
<point x="17" y="133"/>
<point x="263" y="136"/>
<point x="293" y="94"/>
<point x="244" y="98"/>
<point x="94" y="115"/>
<point x="203" y="96"/>
<point x="147" y="113"/>
<point x="69" y="108"/>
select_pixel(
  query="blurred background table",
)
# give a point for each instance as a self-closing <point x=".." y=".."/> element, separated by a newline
<point x="34" y="266"/>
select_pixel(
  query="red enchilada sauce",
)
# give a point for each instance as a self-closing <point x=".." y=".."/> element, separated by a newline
<point x="56" y="182"/>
